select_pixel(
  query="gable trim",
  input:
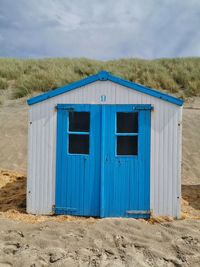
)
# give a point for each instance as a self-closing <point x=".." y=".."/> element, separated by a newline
<point x="104" y="76"/>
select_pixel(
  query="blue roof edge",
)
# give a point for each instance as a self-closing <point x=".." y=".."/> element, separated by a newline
<point x="103" y="76"/>
<point x="62" y="89"/>
<point x="146" y="90"/>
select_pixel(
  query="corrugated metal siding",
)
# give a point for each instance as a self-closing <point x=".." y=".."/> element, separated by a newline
<point x="165" y="145"/>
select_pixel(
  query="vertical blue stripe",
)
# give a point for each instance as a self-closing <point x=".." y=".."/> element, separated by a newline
<point x="102" y="160"/>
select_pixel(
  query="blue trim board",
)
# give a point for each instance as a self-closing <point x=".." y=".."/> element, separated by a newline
<point x="133" y="106"/>
<point x="104" y="76"/>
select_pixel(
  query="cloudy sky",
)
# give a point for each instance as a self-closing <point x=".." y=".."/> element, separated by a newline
<point x="100" y="29"/>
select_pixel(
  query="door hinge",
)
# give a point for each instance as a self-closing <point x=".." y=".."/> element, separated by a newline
<point x="143" y="107"/>
<point x="138" y="212"/>
<point x="65" y="209"/>
<point x="62" y="106"/>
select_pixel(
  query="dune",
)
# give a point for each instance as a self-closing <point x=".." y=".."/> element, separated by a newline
<point x="191" y="142"/>
<point x="13" y="135"/>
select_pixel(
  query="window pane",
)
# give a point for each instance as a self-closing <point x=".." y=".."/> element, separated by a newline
<point x="127" y="122"/>
<point x="79" y="143"/>
<point x="127" y="145"/>
<point x="79" y="121"/>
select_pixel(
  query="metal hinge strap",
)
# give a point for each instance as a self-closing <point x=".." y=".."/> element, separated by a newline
<point x="138" y="211"/>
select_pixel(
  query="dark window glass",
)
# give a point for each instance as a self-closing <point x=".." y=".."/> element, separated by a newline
<point x="127" y="145"/>
<point x="127" y="122"/>
<point x="78" y="143"/>
<point x="79" y="121"/>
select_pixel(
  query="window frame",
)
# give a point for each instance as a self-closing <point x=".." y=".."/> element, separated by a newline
<point x="78" y="133"/>
<point x="126" y="134"/>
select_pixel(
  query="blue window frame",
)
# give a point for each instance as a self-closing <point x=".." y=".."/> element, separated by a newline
<point x="78" y="131"/>
<point x="126" y="134"/>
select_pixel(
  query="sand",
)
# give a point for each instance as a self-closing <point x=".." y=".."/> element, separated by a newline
<point x="191" y="143"/>
<point x="13" y="135"/>
<point x="28" y="240"/>
<point x="105" y="242"/>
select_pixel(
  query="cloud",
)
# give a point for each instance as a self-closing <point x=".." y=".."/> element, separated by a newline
<point x="104" y="29"/>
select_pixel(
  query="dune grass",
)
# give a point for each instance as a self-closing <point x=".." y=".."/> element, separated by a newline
<point x="3" y="83"/>
<point x="180" y="76"/>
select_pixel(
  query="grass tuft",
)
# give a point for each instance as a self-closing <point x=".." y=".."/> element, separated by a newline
<point x="3" y="83"/>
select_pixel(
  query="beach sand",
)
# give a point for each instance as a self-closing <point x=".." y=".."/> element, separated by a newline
<point x="103" y="242"/>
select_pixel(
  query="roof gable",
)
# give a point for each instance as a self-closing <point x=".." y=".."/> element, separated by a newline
<point x="104" y="76"/>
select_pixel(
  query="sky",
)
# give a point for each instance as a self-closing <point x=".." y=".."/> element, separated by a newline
<point x="99" y="29"/>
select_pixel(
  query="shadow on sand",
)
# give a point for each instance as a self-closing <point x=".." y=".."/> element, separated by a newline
<point x="191" y="193"/>
<point x="13" y="193"/>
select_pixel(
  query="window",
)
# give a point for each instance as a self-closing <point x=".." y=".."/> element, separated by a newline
<point x="127" y="122"/>
<point x="127" y="133"/>
<point x="79" y="121"/>
<point x="127" y="145"/>
<point x="78" y="144"/>
<point x="78" y="132"/>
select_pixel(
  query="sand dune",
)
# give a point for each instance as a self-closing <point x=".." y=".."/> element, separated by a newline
<point x="13" y="135"/>
<point x="191" y="143"/>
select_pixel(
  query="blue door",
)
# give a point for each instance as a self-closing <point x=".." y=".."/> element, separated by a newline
<point x="103" y="160"/>
<point x="78" y="160"/>
<point x="126" y="166"/>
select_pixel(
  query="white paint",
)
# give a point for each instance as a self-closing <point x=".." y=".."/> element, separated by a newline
<point x="165" y="146"/>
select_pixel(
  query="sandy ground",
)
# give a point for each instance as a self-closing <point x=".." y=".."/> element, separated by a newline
<point x="28" y="240"/>
<point x="106" y="242"/>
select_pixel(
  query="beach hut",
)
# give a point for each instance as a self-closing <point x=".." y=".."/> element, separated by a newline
<point x="104" y="147"/>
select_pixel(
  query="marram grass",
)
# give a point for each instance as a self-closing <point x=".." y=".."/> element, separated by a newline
<point x="180" y="76"/>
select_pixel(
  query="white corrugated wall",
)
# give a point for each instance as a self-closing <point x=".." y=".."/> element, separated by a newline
<point x="166" y="131"/>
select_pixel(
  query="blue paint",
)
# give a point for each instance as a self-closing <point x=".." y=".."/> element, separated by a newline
<point x="102" y="183"/>
<point x="103" y="135"/>
<point x="127" y="178"/>
<point x="103" y="76"/>
<point x="78" y="175"/>
<point x="84" y="133"/>
<point x="127" y="134"/>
